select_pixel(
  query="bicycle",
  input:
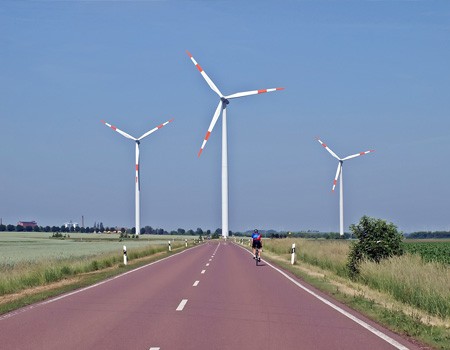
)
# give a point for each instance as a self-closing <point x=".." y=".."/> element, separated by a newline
<point x="257" y="256"/>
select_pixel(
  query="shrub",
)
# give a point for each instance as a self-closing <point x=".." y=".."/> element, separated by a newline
<point x="377" y="240"/>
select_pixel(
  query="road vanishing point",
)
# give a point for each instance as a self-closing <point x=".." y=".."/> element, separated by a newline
<point x="212" y="296"/>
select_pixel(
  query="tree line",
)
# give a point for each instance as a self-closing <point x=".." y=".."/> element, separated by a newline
<point x="429" y="234"/>
<point x="99" y="228"/>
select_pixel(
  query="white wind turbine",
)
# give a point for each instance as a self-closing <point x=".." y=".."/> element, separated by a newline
<point x="339" y="172"/>
<point x="221" y="107"/>
<point x="138" y="185"/>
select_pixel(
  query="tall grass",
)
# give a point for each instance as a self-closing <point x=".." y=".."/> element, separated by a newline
<point x="15" y="277"/>
<point x="327" y="254"/>
<point x="408" y="279"/>
<point x="411" y="280"/>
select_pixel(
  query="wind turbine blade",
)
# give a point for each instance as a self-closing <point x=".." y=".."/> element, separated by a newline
<point x="154" y="129"/>
<point x="123" y="133"/>
<point x="328" y="149"/>
<point x="338" y="172"/>
<point x="253" y="92"/>
<point x="211" y="126"/>
<point x="205" y="76"/>
<point x="358" y="154"/>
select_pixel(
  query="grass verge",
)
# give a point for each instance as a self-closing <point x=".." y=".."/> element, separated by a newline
<point x="399" y="317"/>
<point x="98" y="271"/>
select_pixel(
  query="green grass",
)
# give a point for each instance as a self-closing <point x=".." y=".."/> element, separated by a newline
<point x="28" y="260"/>
<point x="429" y="250"/>
<point x="408" y="279"/>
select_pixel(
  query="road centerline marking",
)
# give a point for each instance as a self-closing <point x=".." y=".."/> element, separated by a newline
<point x="182" y="305"/>
<point x="207" y="264"/>
<point x="203" y="271"/>
<point x="195" y="283"/>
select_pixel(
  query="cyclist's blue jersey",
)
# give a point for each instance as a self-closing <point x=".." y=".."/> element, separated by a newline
<point x="256" y="236"/>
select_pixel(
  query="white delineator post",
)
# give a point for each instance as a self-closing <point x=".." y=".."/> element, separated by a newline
<point x="185" y="242"/>
<point x="224" y="175"/>
<point x="293" y="254"/>
<point x="125" y="258"/>
<point x="170" y="247"/>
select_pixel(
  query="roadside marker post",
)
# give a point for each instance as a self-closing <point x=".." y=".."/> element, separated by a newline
<point x="170" y="247"/>
<point x="293" y="254"/>
<point x="125" y="258"/>
<point x="185" y="242"/>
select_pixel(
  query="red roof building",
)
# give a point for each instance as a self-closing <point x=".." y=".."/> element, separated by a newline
<point x="32" y="224"/>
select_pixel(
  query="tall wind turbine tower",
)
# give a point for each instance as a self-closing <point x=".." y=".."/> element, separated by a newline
<point x="137" y="179"/>
<point x="341" y="185"/>
<point x="222" y="108"/>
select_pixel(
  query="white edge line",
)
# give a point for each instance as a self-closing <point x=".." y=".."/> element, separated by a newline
<point x="195" y="283"/>
<point x="182" y="305"/>
<point x="27" y="308"/>
<point x="363" y="324"/>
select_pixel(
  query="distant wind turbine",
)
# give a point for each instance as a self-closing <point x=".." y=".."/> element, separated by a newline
<point x="339" y="172"/>
<point x="138" y="185"/>
<point x="221" y="107"/>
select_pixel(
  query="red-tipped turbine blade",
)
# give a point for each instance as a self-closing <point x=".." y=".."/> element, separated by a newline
<point x="154" y="129"/>
<point x="338" y="172"/>
<point x="123" y="133"/>
<point x="328" y="149"/>
<point x="211" y="126"/>
<point x="253" y="92"/>
<point x="358" y="154"/>
<point x="205" y="76"/>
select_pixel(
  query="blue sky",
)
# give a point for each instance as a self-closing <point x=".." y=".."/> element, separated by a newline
<point x="360" y="74"/>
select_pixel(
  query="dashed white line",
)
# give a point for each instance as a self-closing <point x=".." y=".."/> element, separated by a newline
<point x="182" y="305"/>
<point x="203" y="271"/>
<point x="43" y="303"/>
<point x="195" y="283"/>
<point x="210" y="259"/>
<point x="207" y="264"/>
<point x="154" y="348"/>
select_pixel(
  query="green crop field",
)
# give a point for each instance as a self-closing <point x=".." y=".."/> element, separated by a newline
<point x="430" y="250"/>
<point x="28" y="247"/>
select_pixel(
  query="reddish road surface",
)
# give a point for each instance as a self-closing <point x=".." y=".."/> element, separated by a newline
<point x="209" y="297"/>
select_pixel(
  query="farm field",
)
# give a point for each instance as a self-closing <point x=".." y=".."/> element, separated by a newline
<point x="429" y="250"/>
<point x="20" y="247"/>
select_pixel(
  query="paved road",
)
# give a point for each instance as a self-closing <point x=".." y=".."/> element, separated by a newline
<point x="209" y="297"/>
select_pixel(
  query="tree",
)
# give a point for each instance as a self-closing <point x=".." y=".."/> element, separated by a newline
<point x="199" y="232"/>
<point x="142" y="231"/>
<point x="181" y="231"/>
<point x="19" y="228"/>
<point x="377" y="240"/>
<point x="37" y="229"/>
<point x="10" y="228"/>
<point x="2" y="227"/>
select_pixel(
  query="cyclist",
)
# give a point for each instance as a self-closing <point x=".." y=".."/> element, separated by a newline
<point x="256" y="243"/>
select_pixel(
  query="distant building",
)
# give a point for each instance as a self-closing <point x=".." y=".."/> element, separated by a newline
<point x="32" y="224"/>
<point x="71" y="224"/>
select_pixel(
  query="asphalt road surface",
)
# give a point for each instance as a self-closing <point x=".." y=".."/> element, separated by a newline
<point x="208" y="297"/>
